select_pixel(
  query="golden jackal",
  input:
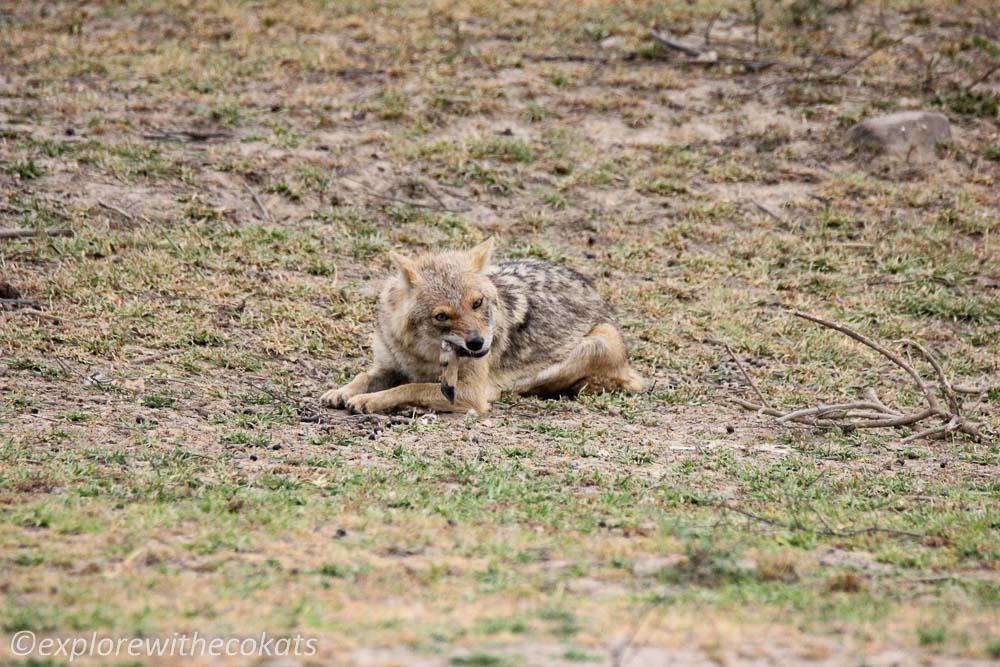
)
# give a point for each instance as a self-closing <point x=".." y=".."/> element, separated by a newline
<point x="524" y="325"/>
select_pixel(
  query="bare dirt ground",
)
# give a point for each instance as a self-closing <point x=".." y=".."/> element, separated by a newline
<point x="231" y="177"/>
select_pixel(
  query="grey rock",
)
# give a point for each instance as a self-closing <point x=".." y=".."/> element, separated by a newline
<point x="901" y="132"/>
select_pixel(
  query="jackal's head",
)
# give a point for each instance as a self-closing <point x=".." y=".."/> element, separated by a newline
<point x="448" y="296"/>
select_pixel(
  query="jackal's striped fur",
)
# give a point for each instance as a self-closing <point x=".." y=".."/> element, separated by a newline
<point x="524" y="325"/>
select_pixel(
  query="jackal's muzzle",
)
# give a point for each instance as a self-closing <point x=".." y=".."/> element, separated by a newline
<point x="476" y="347"/>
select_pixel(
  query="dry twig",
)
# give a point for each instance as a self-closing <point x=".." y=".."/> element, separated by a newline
<point x="372" y="192"/>
<point x="671" y="43"/>
<point x="120" y="211"/>
<point x="41" y="315"/>
<point x="833" y="77"/>
<point x="18" y="302"/>
<point x="872" y="412"/>
<point x="769" y="211"/>
<point x="746" y="376"/>
<point x="23" y="233"/>
<point x="708" y="57"/>
<point x="830" y="532"/>
<point x="185" y="135"/>
<point x="260" y="204"/>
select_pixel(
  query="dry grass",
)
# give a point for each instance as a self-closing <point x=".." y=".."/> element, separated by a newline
<point x="149" y="483"/>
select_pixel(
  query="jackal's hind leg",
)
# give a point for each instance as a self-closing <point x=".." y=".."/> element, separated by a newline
<point x="598" y="364"/>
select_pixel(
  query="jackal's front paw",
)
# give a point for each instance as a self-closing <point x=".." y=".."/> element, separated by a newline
<point x="336" y="398"/>
<point x="369" y="403"/>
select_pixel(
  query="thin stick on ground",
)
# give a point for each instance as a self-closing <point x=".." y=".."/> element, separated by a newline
<point x="260" y="204"/>
<point x="122" y="212"/>
<point x="184" y="135"/>
<point x="41" y="315"/>
<point x="619" y="653"/>
<point x="671" y="43"/>
<point x="769" y="211"/>
<point x="371" y="192"/>
<point x="23" y="233"/>
<point x="829" y="532"/>
<point x="874" y="413"/>
<point x="707" y="57"/>
<point x="746" y="376"/>
<point x="840" y="74"/>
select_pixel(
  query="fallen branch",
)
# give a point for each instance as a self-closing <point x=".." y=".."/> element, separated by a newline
<point x="41" y="315"/>
<point x="23" y="233"/>
<point x="18" y="302"/>
<point x="565" y="57"/>
<point x="872" y="412"/>
<point x="618" y="653"/>
<point x="829" y="532"/>
<point x="259" y="203"/>
<point x="671" y="43"/>
<point x="372" y="192"/>
<point x="306" y="412"/>
<point x="746" y="376"/>
<point x="122" y="212"/>
<point x="832" y="77"/>
<point x="707" y="57"/>
<point x="987" y="74"/>
<point x="769" y="211"/>
<point x="184" y="135"/>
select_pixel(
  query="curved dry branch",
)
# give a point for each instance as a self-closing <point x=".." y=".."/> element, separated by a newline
<point x="825" y="411"/>
<point x="865" y="340"/>
<point x="873" y="412"/>
<point x="946" y="389"/>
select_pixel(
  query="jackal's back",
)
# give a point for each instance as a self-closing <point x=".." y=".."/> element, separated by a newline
<point x="546" y="309"/>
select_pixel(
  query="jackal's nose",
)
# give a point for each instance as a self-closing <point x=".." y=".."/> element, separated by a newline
<point x="475" y="343"/>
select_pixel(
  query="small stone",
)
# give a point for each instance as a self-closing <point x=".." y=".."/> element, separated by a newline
<point x="613" y="42"/>
<point x="902" y="132"/>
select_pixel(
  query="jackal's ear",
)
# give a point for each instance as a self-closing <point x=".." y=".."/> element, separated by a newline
<point x="480" y="255"/>
<point x="407" y="269"/>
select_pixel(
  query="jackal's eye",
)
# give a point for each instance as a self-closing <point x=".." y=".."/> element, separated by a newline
<point x="478" y="303"/>
<point x="441" y="317"/>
